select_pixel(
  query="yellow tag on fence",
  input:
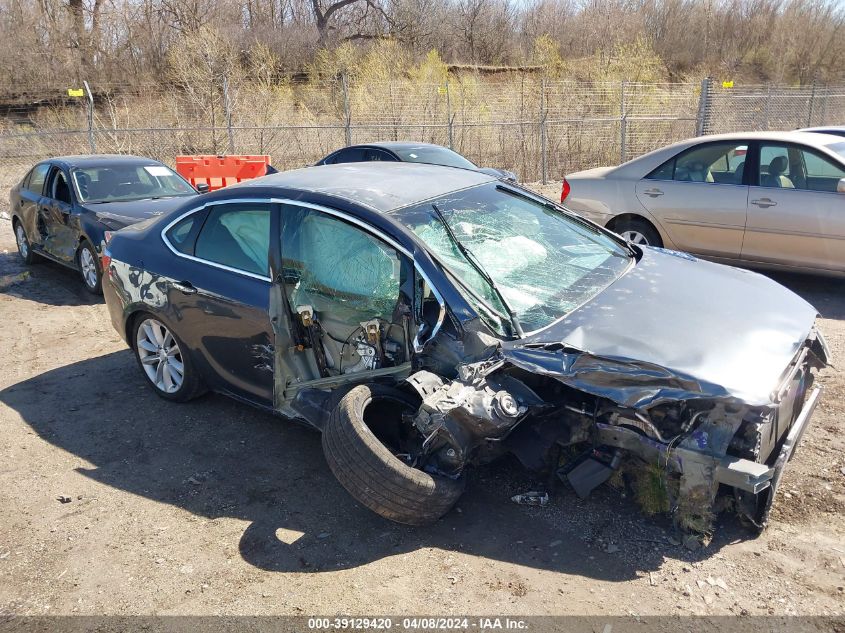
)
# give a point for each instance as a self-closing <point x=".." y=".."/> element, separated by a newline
<point x="728" y="84"/>
<point x="75" y="92"/>
<point x="441" y="90"/>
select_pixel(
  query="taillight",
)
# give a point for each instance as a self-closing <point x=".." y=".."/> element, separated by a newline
<point x="105" y="256"/>
<point x="565" y="191"/>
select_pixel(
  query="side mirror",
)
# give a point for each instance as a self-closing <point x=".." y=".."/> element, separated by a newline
<point x="202" y="187"/>
<point x="840" y="186"/>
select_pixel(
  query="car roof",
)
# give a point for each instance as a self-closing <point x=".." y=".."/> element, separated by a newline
<point x="397" y="145"/>
<point x="102" y="160"/>
<point x="383" y="186"/>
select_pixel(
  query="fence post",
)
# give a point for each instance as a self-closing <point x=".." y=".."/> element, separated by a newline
<point x="449" y="117"/>
<point x="812" y="100"/>
<point x="767" y="109"/>
<point x="623" y="125"/>
<point x="92" y="145"/>
<point x="347" y="124"/>
<point x="227" y="107"/>
<point x="701" y="122"/>
<point x="543" y="155"/>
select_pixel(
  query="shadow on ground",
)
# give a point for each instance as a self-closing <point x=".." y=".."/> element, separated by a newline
<point x="825" y="293"/>
<point x="43" y="282"/>
<point x="218" y="458"/>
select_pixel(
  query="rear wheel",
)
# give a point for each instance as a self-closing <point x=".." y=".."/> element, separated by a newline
<point x="164" y="361"/>
<point x="24" y="247"/>
<point x="638" y="232"/>
<point x="365" y="444"/>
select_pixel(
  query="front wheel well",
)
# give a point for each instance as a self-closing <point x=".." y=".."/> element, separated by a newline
<point x="623" y="219"/>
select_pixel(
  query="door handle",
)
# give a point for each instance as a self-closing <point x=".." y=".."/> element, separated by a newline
<point x="653" y="192"/>
<point x="185" y="287"/>
<point x="764" y="203"/>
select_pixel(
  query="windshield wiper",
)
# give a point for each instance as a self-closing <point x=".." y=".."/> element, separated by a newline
<point x="479" y="269"/>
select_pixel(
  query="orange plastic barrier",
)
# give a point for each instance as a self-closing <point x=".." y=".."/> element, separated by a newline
<point x="220" y="171"/>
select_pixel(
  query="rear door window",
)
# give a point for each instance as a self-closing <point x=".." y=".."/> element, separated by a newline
<point x="236" y="236"/>
<point x="35" y="181"/>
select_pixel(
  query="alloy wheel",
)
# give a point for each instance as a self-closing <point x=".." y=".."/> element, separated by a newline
<point x="23" y="244"/>
<point x="160" y="356"/>
<point x="89" y="267"/>
<point x="635" y="237"/>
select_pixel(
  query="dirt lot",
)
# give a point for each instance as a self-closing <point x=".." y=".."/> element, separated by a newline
<point x="215" y="508"/>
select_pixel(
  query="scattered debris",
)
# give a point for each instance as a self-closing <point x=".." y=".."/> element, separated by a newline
<point x="64" y="499"/>
<point x="611" y="549"/>
<point x="531" y="498"/>
<point x="323" y="535"/>
<point x="555" y="543"/>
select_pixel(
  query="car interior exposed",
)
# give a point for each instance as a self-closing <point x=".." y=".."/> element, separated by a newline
<point x="60" y="190"/>
<point x="350" y="291"/>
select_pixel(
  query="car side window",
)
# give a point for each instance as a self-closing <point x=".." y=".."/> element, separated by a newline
<point x="349" y="155"/>
<point x="819" y="172"/>
<point x="776" y="162"/>
<point x="35" y="181"/>
<point x="183" y="235"/>
<point x="716" y="163"/>
<point x="378" y="154"/>
<point x="237" y="236"/>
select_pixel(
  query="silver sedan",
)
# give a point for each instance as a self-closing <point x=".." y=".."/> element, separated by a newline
<point x="763" y="199"/>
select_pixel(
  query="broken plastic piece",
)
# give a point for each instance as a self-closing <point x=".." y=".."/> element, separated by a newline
<point x="531" y="498"/>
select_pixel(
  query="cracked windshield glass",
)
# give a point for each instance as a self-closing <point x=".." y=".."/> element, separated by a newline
<point x="542" y="263"/>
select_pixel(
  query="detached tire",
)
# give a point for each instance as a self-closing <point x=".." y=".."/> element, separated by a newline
<point x="372" y="474"/>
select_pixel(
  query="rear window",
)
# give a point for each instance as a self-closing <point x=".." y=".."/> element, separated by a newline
<point x="183" y="235"/>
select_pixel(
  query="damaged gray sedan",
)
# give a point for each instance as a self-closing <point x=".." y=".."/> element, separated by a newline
<point x="428" y="319"/>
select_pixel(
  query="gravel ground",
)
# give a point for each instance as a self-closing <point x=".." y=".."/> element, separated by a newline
<point x="215" y="508"/>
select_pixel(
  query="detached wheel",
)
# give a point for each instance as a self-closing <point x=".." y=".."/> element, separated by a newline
<point x="638" y="232"/>
<point x="89" y="268"/>
<point x="363" y="443"/>
<point x="164" y="361"/>
<point x="24" y="247"/>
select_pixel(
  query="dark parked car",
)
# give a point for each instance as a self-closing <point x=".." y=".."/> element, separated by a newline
<point x="404" y="151"/>
<point x="63" y="207"/>
<point x="444" y="318"/>
<point x="835" y="130"/>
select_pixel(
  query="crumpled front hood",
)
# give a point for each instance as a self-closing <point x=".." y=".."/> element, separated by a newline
<point x="674" y="327"/>
<point x="120" y="214"/>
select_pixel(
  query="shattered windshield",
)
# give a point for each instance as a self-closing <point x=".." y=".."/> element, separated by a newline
<point x="543" y="263"/>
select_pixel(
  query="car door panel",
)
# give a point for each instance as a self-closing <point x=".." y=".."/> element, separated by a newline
<point x="705" y="218"/>
<point x="220" y="308"/>
<point x="792" y="227"/>
<point x="795" y="218"/>
<point x="58" y="232"/>
<point x="224" y="316"/>
<point x="700" y="197"/>
<point x="29" y="201"/>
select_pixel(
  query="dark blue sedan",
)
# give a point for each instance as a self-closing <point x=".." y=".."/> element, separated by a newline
<point x="427" y="319"/>
<point x="64" y="207"/>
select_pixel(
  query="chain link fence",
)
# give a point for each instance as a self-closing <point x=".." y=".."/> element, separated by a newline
<point x="540" y="129"/>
